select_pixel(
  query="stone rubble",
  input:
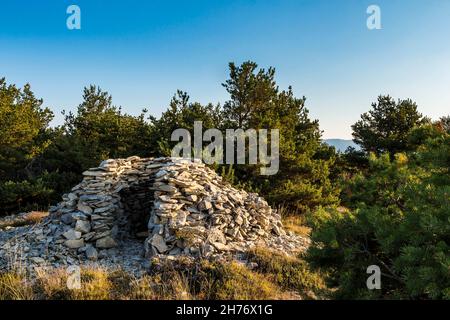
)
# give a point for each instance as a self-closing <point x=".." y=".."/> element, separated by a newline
<point x="177" y="207"/>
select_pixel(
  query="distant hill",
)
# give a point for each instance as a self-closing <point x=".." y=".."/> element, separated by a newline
<point x="341" y="144"/>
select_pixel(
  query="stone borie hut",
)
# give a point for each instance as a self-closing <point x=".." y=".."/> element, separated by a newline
<point x="178" y="206"/>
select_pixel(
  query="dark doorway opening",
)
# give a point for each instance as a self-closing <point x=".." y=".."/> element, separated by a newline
<point x="137" y="203"/>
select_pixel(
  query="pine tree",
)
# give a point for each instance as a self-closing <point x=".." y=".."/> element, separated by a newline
<point x="386" y="126"/>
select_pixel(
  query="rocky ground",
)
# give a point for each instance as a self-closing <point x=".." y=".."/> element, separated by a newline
<point x="25" y="248"/>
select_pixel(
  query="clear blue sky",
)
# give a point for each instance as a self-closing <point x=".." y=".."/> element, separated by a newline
<point x="142" y="51"/>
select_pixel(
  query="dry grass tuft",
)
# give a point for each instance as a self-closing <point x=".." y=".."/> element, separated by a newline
<point x="35" y="216"/>
<point x="29" y="218"/>
<point x="296" y="224"/>
<point x="14" y="286"/>
<point x="290" y="273"/>
<point x="234" y="281"/>
<point x="293" y="221"/>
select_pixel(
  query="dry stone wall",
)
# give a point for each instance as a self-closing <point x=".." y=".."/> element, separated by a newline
<point x="189" y="209"/>
<point x="126" y="211"/>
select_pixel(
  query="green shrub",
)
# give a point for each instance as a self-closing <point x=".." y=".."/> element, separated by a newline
<point x="399" y="220"/>
<point x="24" y="195"/>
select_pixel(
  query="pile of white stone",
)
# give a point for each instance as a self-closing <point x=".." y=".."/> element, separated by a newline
<point x="180" y="207"/>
